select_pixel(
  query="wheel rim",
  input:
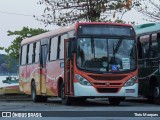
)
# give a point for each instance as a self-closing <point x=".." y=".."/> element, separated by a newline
<point x="156" y="92"/>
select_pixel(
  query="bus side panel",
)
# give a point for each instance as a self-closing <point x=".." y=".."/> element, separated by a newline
<point x="26" y="74"/>
<point x="22" y="78"/>
<point x="33" y="73"/>
<point x="54" y="72"/>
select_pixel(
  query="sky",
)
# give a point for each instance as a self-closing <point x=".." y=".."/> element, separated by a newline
<point x="14" y="22"/>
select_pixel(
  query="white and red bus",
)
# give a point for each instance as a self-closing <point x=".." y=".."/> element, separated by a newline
<point x="84" y="60"/>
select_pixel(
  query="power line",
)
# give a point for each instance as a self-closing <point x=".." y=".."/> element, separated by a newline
<point x="17" y="14"/>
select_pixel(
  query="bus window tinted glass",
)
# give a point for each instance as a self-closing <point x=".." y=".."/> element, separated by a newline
<point x="145" y="46"/>
<point x="37" y="52"/>
<point x="53" y="48"/>
<point x="24" y="55"/>
<point x="65" y="36"/>
<point x="154" y="49"/>
<point x="30" y="54"/>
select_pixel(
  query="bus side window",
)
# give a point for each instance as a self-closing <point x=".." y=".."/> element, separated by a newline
<point x="24" y="55"/>
<point x="154" y="46"/>
<point x="139" y="45"/>
<point x="20" y="57"/>
<point x="145" y="46"/>
<point x="37" y="51"/>
<point x="33" y="55"/>
<point x="64" y="36"/>
<point x="30" y="53"/>
<point x="27" y="54"/>
<point x="53" y="48"/>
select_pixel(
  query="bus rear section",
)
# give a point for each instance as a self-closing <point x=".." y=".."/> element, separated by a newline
<point x="101" y="62"/>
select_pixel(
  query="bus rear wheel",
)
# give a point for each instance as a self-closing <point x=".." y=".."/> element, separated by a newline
<point x="35" y="97"/>
<point x="114" y="101"/>
<point x="156" y="93"/>
<point x="65" y="99"/>
<point x="33" y="92"/>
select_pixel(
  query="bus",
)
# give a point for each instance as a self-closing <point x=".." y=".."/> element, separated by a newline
<point x="148" y="44"/>
<point x="80" y="61"/>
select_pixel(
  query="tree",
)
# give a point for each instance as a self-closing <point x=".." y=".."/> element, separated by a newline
<point x="13" y="49"/>
<point x="149" y="8"/>
<point x="1" y="48"/>
<point x="6" y="66"/>
<point x="64" y="12"/>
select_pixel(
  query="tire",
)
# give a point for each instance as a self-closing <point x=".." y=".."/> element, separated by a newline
<point x="65" y="99"/>
<point x="34" y="96"/>
<point x="156" y="93"/>
<point x="33" y="92"/>
<point x="114" y="101"/>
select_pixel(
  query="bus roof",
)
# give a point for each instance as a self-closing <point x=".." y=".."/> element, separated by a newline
<point x="48" y="34"/>
<point x="107" y="23"/>
<point x="65" y="29"/>
<point x="147" y="28"/>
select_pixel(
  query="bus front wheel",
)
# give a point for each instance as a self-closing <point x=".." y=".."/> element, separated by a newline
<point x="65" y="99"/>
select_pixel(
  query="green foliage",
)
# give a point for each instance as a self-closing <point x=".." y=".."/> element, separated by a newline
<point x="13" y="49"/>
<point x="64" y="12"/>
<point x="7" y="65"/>
<point x="1" y="48"/>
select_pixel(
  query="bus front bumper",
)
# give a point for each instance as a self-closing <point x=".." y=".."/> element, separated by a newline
<point x="90" y="91"/>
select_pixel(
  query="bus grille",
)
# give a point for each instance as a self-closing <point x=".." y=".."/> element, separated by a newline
<point x="107" y="90"/>
<point x="116" y="77"/>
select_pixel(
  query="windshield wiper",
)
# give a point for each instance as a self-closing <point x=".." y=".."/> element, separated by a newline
<point x="117" y="46"/>
<point x="115" y="49"/>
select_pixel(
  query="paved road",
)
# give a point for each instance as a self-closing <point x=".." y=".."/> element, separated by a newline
<point x="97" y="106"/>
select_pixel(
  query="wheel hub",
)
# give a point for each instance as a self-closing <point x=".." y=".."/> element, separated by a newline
<point x="156" y="92"/>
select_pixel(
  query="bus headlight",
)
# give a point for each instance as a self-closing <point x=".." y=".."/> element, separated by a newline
<point x="131" y="81"/>
<point x="82" y="80"/>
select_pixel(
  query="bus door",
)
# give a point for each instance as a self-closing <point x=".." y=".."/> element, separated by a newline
<point x="43" y="69"/>
<point x="68" y="66"/>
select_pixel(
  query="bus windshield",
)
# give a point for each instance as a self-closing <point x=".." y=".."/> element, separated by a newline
<point x="106" y="54"/>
